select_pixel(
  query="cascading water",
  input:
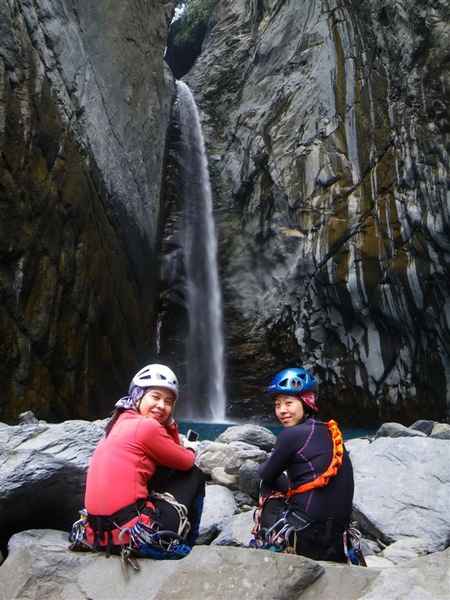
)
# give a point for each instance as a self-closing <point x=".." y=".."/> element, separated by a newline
<point x="205" y="390"/>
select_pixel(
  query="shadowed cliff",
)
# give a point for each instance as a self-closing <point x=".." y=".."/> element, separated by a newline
<point x="85" y="105"/>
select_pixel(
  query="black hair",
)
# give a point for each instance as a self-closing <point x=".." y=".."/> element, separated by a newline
<point x="112" y="421"/>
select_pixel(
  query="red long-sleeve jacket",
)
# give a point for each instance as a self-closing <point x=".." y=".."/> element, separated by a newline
<point x="125" y="461"/>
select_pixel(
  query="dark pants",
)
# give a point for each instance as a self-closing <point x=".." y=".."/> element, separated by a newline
<point x="321" y="540"/>
<point x="188" y="488"/>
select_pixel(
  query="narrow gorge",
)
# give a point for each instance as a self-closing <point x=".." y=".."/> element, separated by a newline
<point x="327" y="131"/>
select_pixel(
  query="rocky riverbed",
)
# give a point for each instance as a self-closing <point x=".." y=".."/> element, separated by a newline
<point x="401" y="505"/>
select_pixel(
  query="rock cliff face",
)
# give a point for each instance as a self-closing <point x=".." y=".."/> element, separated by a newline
<point x="327" y="132"/>
<point x="328" y="135"/>
<point x="84" y="109"/>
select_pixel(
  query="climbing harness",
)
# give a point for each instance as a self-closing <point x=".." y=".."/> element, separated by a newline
<point x="261" y="504"/>
<point x="184" y="526"/>
<point x="102" y="526"/>
<point x="281" y="537"/>
<point x="334" y="466"/>
<point x="149" y="541"/>
<point x="293" y="524"/>
<point x="144" y="540"/>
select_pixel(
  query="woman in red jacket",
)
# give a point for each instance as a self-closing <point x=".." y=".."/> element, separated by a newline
<point x="144" y="494"/>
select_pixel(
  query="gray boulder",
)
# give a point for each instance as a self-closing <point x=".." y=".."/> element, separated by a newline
<point x="221" y="477"/>
<point x="228" y="454"/>
<point x="356" y="444"/>
<point x="402" y="487"/>
<point x="237" y="531"/>
<point x="424" y="425"/>
<point x="233" y="464"/>
<point x="441" y="431"/>
<point x="405" y="549"/>
<point x="252" y="434"/>
<point x="219" y="506"/>
<point x="394" y="430"/>
<point x="43" y="470"/>
<point x="40" y="566"/>
<point x="249" y="481"/>
<point x="424" y="578"/>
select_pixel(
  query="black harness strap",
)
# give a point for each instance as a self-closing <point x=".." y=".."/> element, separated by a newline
<point x="327" y="533"/>
<point x="102" y="524"/>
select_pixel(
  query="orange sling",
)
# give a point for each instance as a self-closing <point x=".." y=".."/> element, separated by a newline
<point x="335" y="465"/>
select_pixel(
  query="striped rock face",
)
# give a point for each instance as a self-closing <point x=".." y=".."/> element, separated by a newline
<point x="327" y="134"/>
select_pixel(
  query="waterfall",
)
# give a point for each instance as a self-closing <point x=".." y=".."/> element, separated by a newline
<point x="205" y="393"/>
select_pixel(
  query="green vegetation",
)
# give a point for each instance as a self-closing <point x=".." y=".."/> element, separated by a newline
<point x="193" y="19"/>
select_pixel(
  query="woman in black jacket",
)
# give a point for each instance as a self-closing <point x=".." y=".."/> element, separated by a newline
<point x="307" y="482"/>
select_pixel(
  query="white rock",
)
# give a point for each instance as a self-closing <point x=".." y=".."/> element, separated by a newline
<point x="237" y="532"/>
<point x="405" y="549"/>
<point x="219" y="506"/>
<point x="402" y="489"/>
<point x="378" y="562"/>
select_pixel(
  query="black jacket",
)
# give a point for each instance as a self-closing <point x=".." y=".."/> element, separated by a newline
<point x="305" y="452"/>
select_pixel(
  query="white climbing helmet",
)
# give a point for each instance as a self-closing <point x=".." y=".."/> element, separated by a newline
<point x="155" y="376"/>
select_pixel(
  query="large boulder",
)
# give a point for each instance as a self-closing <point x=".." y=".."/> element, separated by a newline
<point x="40" y="565"/>
<point x="252" y="434"/>
<point x="238" y="530"/>
<point x="229" y="455"/>
<point x="398" y="430"/>
<point x="402" y="488"/>
<point x="219" y="507"/>
<point x="43" y="470"/>
<point x="418" y="579"/>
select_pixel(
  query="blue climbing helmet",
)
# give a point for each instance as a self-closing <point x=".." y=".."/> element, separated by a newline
<point x="296" y="382"/>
